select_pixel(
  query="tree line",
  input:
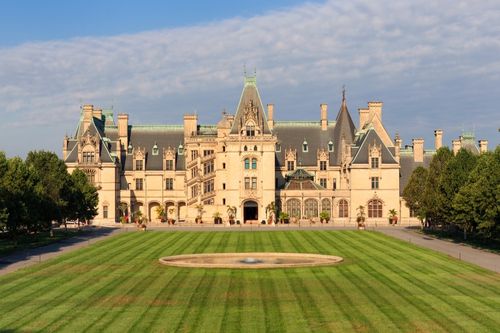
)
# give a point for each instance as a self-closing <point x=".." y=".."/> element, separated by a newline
<point x="39" y="190"/>
<point x="458" y="193"/>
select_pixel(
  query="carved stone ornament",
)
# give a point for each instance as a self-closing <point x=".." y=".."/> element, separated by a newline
<point x="290" y="154"/>
<point x="168" y="153"/>
<point x="322" y="154"/>
<point x="88" y="139"/>
<point x="375" y="150"/>
<point x="139" y="153"/>
<point x="251" y="111"/>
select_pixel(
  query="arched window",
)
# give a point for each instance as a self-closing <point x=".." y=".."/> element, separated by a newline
<point x="311" y="208"/>
<point x="343" y="208"/>
<point x="245" y="148"/>
<point x="374" y="208"/>
<point x="254" y="148"/>
<point x="254" y="163"/>
<point x="247" y="163"/>
<point x="305" y="147"/>
<point x="326" y="205"/>
<point x="330" y="146"/>
<point x="293" y="208"/>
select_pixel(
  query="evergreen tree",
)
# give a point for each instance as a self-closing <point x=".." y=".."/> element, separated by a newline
<point x="413" y="193"/>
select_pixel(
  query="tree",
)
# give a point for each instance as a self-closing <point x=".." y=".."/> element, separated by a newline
<point x="477" y="204"/>
<point x="86" y="207"/>
<point x="414" y="192"/>
<point x="433" y="198"/>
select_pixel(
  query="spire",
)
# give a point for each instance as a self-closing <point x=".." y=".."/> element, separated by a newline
<point x="344" y="130"/>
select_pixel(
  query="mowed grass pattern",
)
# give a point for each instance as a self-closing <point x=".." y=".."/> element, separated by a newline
<point x="384" y="285"/>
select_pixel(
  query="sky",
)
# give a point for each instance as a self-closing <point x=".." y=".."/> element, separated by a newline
<point x="433" y="65"/>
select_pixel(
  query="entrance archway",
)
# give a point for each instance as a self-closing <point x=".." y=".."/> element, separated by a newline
<point x="250" y="211"/>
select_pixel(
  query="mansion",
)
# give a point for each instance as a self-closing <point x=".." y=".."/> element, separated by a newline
<point x="249" y="160"/>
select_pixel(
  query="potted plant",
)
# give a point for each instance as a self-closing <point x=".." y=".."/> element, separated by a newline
<point x="160" y="213"/>
<point x="271" y="212"/>
<point x="217" y="218"/>
<point x="231" y="213"/>
<point x="170" y="218"/>
<point x="393" y="217"/>
<point x="361" y="217"/>
<point x="324" y="217"/>
<point x="284" y="218"/>
<point x="199" y="217"/>
<point x="139" y="220"/>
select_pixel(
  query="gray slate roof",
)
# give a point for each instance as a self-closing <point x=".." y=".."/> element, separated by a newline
<point x="345" y="129"/>
<point x="407" y="165"/>
<point x="361" y="153"/>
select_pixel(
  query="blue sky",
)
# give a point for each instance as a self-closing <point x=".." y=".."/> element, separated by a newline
<point x="433" y="66"/>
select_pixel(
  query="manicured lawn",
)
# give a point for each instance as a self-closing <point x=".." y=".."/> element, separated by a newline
<point x="384" y="285"/>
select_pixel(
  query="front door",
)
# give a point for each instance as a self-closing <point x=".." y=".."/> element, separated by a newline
<point x="250" y="211"/>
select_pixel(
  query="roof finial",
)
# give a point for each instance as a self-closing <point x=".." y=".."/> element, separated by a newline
<point x="245" y="69"/>
<point x="343" y="92"/>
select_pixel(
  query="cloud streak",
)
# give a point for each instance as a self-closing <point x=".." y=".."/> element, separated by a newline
<point x="420" y="60"/>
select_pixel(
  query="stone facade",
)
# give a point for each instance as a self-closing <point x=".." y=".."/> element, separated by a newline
<point x="247" y="161"/>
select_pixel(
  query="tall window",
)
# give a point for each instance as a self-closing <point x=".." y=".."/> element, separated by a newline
<point x="290" y="165"/>
<point x="375" y="208"/>
<point x="326" y="205"/>
<point x="139" y="165"/>
<point x="194" y="154"/>
<point x="250" y="130"/>
<point x="90" y="176"/>
<point x="374" y="162"/>
<point x="139" y="184"/>
<point x="322" y="182"/>
<point x="375" y="183"/>
<point x="169" y="184"/>
<point x="311" y="208"/>
<point x="334" y="184"/>
<point x="208" y="152"/>
<point x="105" y="211"/>
<point x="169" y="164"/>
<point x="343" y="208"/>
<point x="208" y="186"/>
<point x="194" y="172"/>
<point x="254" y="163"/>
<point x="247" y="163"/>
<point x="194" y="191"/>
<point x="293" y="208"/>
<point x="322" y="165"/>
<point x="88" y="157"/>
<point x="208" y="167"/>
<point x="250" y="183"/>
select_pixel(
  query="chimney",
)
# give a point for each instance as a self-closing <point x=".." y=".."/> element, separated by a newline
<point x="457" y="144"/>
<point x="65" y="147"/>
<point x="190" y="125"/>
<point x="398" y="142"/>
<point x="438" y="139"/>
<point x="123" y="129"/>
<point x="324" y="116"/>
<point x="375" y="108"/>
<point x="98" y="113"/>
<point x="364" y="114"/>
<point x="418" y="150"/>
<point x="483" y="146"/>
<point x="270" y="116"/>
<point x="87" y="116"/>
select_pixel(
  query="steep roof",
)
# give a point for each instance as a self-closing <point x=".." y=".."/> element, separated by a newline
<point x="344" y="129"/>
<point x="407" y="165"/>
<point x="363" y="142"/>
<point x="250" y="98"/>
<point x="300" y="179"/>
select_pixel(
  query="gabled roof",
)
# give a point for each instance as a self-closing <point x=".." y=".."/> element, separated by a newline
<point x="344" y="129"/>
<point x="250" y="94"/>
<point x="301" y="180"/>
<point x="363" y="142"/>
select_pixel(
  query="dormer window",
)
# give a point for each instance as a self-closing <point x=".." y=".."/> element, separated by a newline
<point x="88" y="157"/>
<point x="278" y="147"/>
<point x="330" y="146"/>
<point x="180" y="149"/>
<point x="155" y="150"/>
<point x="130" y="149"/>
<point x="250" y="130"/>
<point x="305" y="147"/>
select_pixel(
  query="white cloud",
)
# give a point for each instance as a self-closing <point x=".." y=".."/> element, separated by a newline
<point x="384" y="50"/>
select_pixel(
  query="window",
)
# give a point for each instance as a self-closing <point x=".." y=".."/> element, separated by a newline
<point x="254" y="163"/>
<point x="374" y="162"/>
<point x="208" y="202"/>
<point x="194" y="154"/>
<point x="311" y="208"/>
<point x="208" y="152"/>
<point x="169" y="184"/>
<point x="343" y="208"/>
<point x="155" y="150"/>
<point x="326" y="205"/>
<point x="169" y="164"/>
<point x="247" y="163"/>
<point x="413" y="213"/>
<point x="105" y="212"/>
<point x="322" y="182"/>
<point x="223" y="186"/>
<point x="90" y="176"/>
<point x="130" y="150"/>
<point x="375" y="183"/>
<point x="180" y="150"/>
<point x="223" y="148"/>
<point x="139" y="184"/>
<point x="88" y="157"/>
<point x="305" y="147"/>
<point x="194" y="172"/>
<point x="330" y="146"/>
<point x="250" y="183"/>
<point x="293" y="208"/>
<point x="278" y="147"/>
<point x="208" y="186"/>
<point x="139" y="165"/>
<point x="375" y="208"/>
<point x="334" y="184"/>
<point x="194" y="191"/>
<point x="208" y="167"/>
<point x="250" y="130"/>
<point x="223" y="165"/>
<point x="254" y="148"/>
<point x="224" y="201"/>
<point x="322" y="165"/>
<point x="290" y="165"/>
<point x="245" y="148"/>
